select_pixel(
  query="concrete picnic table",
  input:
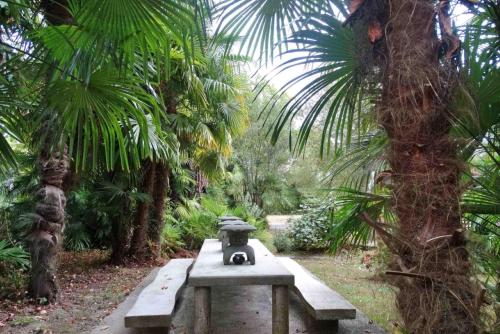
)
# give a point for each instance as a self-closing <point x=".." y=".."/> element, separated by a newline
<point x="209" y="271"/>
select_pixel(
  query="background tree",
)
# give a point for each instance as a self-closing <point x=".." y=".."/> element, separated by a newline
<point x="86" y="64"/>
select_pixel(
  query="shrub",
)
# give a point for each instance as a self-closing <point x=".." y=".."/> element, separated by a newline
<point x="199" y="226"/>
<point x="213" y="205"/>
<point x="246" y="211"/>
<point x="311" y="230"/>
<point x="171" y="239"/>
<point x="13" y="254"/>
<point x="76" y="237"/>
<point x="282" y="243"/>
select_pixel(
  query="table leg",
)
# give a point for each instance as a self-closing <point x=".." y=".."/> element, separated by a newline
<point x="202" y="310"/>
<point x="280" y="309"/>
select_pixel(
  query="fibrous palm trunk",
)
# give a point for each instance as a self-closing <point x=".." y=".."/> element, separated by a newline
<point x="119" y="236"/>
<point x="432" y="269"/>
<point x="48" y="225"/>
<point x="161" y="186"/>
<point x="139" y="238"/>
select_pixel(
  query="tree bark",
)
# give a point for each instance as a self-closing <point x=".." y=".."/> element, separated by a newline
<point x="119" y="242"/>
<point x="120" y="236"/>
<point x="138" y="244"/>
<point x="48" y="225"/>
<point x="161" y="187"/>
<point x="201" y="182"/>
<point x="440" y="297"/>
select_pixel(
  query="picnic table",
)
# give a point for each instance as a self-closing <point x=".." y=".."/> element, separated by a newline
<point x="209" y="271"/>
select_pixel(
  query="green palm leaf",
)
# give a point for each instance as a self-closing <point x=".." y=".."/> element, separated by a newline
<point x="264" y="24"/>
<point x="336" y="82"/>
<point x="347" y="225"/>
<point x="94" y="116"/>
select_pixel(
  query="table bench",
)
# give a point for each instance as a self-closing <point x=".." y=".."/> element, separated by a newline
<point x="155" y="305"/>
<point x="209" y="271"/>
<point x="321" y="302"/>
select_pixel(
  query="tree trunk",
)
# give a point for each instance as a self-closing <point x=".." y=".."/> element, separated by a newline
<point x="48" y="225"/>
<point x="138" y="243"/>
<point x="159" y="194"/>
<point x="201" y="182"/>
<point x="432" y="269"/>
<point x="119" y="240"/>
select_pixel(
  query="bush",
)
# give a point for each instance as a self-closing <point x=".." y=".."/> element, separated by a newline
<point x="282" y="243"/>
<point x="200" y="225"/>
<point x="310" y="232"/>
<point x="13" y="254"/>
<point x="171" y="239"/>
<point x="246" y="211"/>
<point x="213" y="205"/>
<point x="76" y="237"/>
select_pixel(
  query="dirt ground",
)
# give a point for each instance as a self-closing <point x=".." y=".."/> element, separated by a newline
<point x="90" y="290"/>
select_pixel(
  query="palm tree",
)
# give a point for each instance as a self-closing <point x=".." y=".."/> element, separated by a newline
<point x="199" y="95"/>
<point x="385" y="57"/>
<point x="90" y="64"/>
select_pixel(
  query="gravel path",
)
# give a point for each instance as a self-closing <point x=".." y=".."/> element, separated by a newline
<point x="280" y="223"/>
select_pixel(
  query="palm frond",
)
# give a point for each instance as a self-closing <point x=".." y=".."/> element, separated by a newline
<point x="94" y="116"/>
<point x="336" y="82"/>
<point x="148" y="22"/>
<point x="357" y="165"/>
<point x="264" y="24"/>
<point x="347" y="225"/>
<point x="13" y="254"/>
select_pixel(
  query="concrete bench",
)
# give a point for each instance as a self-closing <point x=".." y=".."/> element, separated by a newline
<point x="321" y="302"/>
<point x="154" y="307"/>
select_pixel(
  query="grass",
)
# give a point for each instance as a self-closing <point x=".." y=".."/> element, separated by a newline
<point x="349" y="277"/>
<point x="23" y="320"/>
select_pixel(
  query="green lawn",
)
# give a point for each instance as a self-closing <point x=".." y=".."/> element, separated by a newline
<point x="349" y="277"/>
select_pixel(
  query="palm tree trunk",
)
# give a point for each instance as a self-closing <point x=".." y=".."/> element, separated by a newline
<point x="46" y="234"/>
<point x="119" y="239"/>
<point x="432" y="269"/>
<point x="138" y="244"/>
<point x="201" y="182"/>
<point x="48" y="224"/>
<point x="159" y="194"/>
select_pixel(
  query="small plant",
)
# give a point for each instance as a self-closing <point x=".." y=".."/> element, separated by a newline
<point x="282" y="243"/>
<point x="213" y="205"/>
<point x="171" y="239"/>
<point x="76" y="237"/>
<point x="200" y="225"/>
<point x="311" y="230"/>
<point x="13" y="254"/>
<point x="13" y="280"/>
